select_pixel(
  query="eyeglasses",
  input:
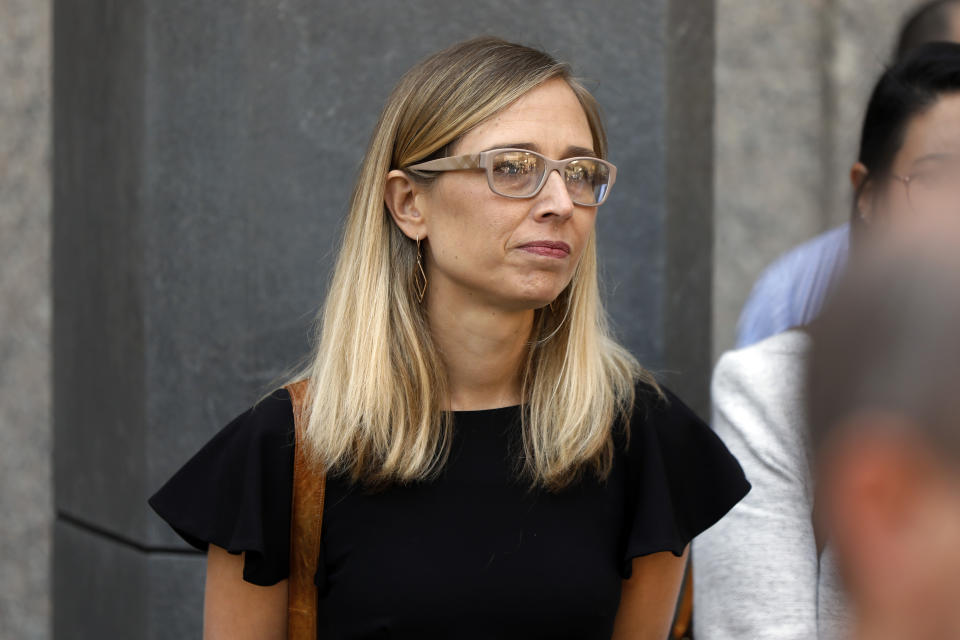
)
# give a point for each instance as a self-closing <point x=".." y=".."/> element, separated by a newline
<point x="518" y="173"/>
<point x="935" y="190"/>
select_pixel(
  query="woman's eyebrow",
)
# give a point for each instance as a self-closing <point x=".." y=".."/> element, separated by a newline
<point x="936" y="157"/>
<point x="529" y="146"/>
<point x="573" y="152"/>
<point x="570" y="152"/>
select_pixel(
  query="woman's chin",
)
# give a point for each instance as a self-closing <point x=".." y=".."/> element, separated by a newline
<point x="533" y="302"/>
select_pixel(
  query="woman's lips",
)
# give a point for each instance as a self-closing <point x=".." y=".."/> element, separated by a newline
<point x="547" y="248"/>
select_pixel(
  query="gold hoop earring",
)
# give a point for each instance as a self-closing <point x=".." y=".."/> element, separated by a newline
<point x="420" y="273"/>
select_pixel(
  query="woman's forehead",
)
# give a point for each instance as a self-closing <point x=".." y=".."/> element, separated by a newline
<point x="933" y="134"/>
<point x="549" y="115"/>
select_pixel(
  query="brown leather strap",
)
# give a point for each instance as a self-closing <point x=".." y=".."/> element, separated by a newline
<point x="306" y="519"/>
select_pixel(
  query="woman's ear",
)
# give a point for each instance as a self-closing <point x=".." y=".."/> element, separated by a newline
<point x="400" y="195"/>
<point x="858" y="178"/>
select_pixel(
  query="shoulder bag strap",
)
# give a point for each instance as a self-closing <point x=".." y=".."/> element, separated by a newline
<point x="306" y="518"/>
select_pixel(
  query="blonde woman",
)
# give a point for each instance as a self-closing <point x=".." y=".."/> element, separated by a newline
<point x="498" y="466"/>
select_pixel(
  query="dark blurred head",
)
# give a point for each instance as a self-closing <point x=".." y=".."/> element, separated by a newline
<point x="911" y="119"/>
<point x="930" y="22"/>
<point x="883" y="395"/>
<point x="889" y="339"/>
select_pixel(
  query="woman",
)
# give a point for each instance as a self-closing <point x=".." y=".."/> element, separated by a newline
<point x="766" y="571"/>
<point x="468" y="403"/>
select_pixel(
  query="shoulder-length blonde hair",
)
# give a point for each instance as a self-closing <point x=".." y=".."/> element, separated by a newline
<point x="378" y="409"/>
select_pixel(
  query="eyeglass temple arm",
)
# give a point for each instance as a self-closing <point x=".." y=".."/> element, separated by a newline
<point x="449" y="164"/>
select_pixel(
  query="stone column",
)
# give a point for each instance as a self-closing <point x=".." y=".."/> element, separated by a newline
<point x="26" y="501"/>
<point x="204" y="155"/>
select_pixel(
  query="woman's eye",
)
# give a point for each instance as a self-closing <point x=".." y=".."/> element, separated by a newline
<point x="507" y="168"/>
<point x="514" y="167"/>
<point x="939" y="175"/>
<point x="579" y="173"/>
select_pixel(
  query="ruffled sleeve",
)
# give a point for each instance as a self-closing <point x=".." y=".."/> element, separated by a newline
<point x="236" y="491"/>
<point x="681" y="479"/>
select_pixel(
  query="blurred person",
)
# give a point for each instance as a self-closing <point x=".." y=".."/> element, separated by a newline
<point x="884" y="407"/>
<point x="497" y="465"/>
<point x="766" y="571"/>
<point x="790" y="291"/>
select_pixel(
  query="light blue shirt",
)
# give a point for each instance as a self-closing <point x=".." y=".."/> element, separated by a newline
<point x="790" y="292"/>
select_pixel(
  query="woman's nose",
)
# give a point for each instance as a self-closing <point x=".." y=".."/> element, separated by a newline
<point x="554" y="199"/>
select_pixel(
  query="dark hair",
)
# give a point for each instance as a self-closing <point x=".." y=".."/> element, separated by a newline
<point x="888" y="341"/>
<point x="904" y="91"/>
<point x="929" y="22"/>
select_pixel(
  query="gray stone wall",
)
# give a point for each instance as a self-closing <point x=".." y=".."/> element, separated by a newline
<point x="793" y="79"/>
<point x="25" y="495"/>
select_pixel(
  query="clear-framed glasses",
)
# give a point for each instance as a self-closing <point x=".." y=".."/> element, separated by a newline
<point x="519" y="173"/>
<point x="934" y="190"/>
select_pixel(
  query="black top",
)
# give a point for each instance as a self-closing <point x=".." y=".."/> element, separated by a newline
<point x="475" y="553"/>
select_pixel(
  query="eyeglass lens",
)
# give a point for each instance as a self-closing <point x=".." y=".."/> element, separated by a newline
<point x="936" y="190"/>
<point x="518" y="174"/>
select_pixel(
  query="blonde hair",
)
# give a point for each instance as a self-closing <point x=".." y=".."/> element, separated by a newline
<point x="378" y="392"/>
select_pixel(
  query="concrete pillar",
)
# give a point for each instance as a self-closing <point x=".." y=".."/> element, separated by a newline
<point x="26" y="499"/>
<point x="204" y="155"/>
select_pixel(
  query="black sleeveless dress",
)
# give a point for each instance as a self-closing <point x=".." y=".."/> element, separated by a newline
<point x="475" y="553"/>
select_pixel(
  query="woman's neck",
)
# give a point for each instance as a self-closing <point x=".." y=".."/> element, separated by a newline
<point x="483" y="349"/>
